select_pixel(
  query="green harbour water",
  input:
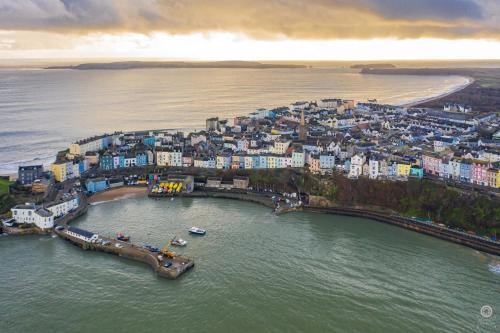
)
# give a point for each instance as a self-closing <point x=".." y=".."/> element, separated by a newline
<point x="255" y="272"/>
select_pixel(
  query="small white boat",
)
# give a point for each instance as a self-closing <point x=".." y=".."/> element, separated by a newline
<point x="179" y="242"/>
<point x="197" y="231"/>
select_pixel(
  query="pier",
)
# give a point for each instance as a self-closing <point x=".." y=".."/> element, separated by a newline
<point x="179" y="264"/>
<point x="130" y="251"/>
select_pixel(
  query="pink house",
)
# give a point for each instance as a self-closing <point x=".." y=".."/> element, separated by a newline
<point x="431" y="164"/>
<point x="479" y="172"/>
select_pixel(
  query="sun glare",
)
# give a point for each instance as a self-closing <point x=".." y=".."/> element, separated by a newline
<point x="222" y="46"/>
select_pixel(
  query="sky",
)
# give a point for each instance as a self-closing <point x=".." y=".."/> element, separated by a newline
<point x="250" y="29"/>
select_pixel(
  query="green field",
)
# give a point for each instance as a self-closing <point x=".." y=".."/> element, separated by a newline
<point x="4" y="185"/>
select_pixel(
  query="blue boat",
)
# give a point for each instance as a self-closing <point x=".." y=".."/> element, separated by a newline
<point x="197" y="231"/>
<point x="151" y="248"/>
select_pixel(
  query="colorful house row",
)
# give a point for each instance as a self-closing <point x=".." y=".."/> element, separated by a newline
<point x="472" y="171"/>
<point x="110" y="161"/>
<point x="69" y="169"/>
<point x="377" y="167"/>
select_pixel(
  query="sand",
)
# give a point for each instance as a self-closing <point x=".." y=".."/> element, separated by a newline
<point x="118" y="193"/>
<point x="429" y="99"/>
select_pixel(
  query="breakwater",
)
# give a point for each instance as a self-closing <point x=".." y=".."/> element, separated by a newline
<point x="178" y="264"/>
<point x="127" y="250"/>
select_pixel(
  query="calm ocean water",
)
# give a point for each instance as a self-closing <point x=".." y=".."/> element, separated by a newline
<point x="42" y="111"/>
<point x="255" y="272"/>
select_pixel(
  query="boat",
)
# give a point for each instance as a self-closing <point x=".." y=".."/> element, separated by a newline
<point x="178" y="242"/>
<point x="151" y="248"/>
<point x="122" y="237"/>
<point x="197" y="231"/>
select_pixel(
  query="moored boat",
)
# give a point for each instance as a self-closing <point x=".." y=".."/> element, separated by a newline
<point x="151" y="248"/>
<point x="197" y="231"/>
<point x="122" y="237"/>
<point x="178" y="242"/>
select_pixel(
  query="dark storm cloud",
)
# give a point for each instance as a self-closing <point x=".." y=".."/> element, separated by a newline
<point x="309" y="19"/>
<point x="445" y="10"/>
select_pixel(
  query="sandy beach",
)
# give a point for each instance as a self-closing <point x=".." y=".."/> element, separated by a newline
<point x="470" y="81"/>
<point x="118" y="193"/>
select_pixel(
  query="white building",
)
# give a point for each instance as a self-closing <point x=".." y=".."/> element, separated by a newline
<point x="356" y="167"/>
<point x="84" y="235"/>
<point x="373" y="166"/>
<point x="169" y="158"/>
<point x="298" y="159"/>
<point x="32" y="214"/>
<point x="63" y="208"/>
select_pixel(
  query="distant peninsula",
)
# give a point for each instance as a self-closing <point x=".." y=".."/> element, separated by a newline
<point x="370" y="66"/>
<point x="175" y="64"/>
<point x="482" y="94"/>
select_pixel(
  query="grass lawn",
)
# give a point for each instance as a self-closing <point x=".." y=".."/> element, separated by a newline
<point x="4" y="185"/>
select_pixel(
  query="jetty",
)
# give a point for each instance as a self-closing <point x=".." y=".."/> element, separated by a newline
<point x="170" y="267"/>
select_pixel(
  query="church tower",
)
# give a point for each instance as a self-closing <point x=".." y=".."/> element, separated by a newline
<point x="302" y="127"/>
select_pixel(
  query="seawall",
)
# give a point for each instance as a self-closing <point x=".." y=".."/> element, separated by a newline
<point x="243" y="196"/>
<point x="407" y="223"/>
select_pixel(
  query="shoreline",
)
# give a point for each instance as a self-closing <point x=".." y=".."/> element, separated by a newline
<point x="470" y="81"/>
<point x="364" y="212"/>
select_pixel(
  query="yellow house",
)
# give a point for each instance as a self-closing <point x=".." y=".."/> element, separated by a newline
<point x="59" y="171"/>
<point x="271" y="162"/>
<point x="493" y="176"/>
<point x="403" y="169"/>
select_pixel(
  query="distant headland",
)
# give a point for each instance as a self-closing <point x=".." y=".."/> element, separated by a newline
<point x="374" y="66"/>
<point x="175" y="64"/>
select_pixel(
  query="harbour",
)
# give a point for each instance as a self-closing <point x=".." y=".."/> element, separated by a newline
<point x="304" y="263"/>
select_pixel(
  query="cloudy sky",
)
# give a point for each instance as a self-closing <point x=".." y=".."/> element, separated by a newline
<point x="251" y="29"/>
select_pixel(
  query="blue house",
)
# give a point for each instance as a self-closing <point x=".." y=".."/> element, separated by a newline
<point x="347" y="165"/>
<point x="263" y="162"/>
<point x="392" y="169"/>
<point x="141" y="159"/>
<point x="465" y="169"/>
<point x="149" y="141"/>
<point x="96" y="185"/>
<point x="416" y="171"/>
<point x="106" y="162"/>
<point x="256" y="162"/>
<point x="81" y="166"/>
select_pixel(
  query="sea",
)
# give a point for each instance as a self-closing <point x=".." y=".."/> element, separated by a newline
<point x="42" y="111"/>
<point x="254" y="272"/>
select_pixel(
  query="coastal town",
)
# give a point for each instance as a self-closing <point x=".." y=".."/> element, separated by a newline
<point x="330" y="136"/>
